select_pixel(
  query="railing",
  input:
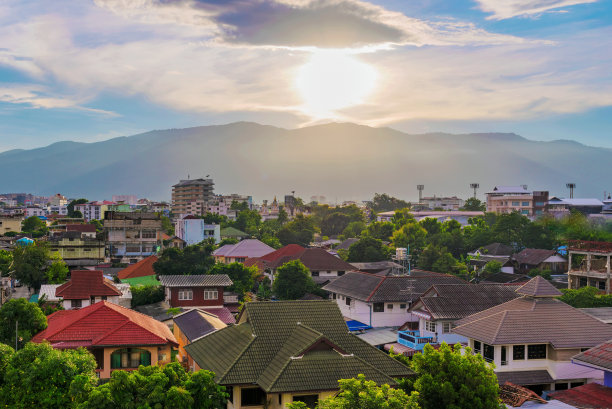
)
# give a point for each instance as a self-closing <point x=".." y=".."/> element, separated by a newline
<point x="594" y="246"/>
<point x="413" y="340"/>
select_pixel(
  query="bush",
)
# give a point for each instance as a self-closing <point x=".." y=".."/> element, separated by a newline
<point x="147" y="294"/>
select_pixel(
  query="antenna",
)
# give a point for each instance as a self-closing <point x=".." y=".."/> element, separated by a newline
<point x="571" y="187"/>
<point x="420" y="189"/>
<point x="474" y="186"/>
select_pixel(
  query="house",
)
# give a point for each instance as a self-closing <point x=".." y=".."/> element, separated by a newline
<point x="263" y="262"/>
<point x="77" y="248"/>
<point x="140" y="273"/>
<point x="589" y="396"/>
<point x="443" y="304"/>
<point x="383" y="301"/>
<point x="132" y="236"/>
<point x="382" y="268"/>
<point x="10" y="222"/>
<point x="177" y="242"/>
<point x="239" y="252"/>
<point x="118" y="338"/>
<point x="87" y="287"/>
<point x="532" y="339"/>
<point x="287" y="351"/>
<point x="194" y="230"/>
<point x="346" y="244"/>
<point x="461" y="216"/>
<point x="508" y="199"/>
<point x="190" y="326"/>
<point x="594" y="269"/>
<point x="598" y="357"/>
<point x="561" y="206"/>
<point x="198" y="291"/>
<point x="495" y="250"/>
<point x="93" y="210"/>
<point x="542" y="259"/>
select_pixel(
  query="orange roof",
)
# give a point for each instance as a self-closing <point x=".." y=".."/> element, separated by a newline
<point x="84" y="284"/>
<point x="141" y="269"/>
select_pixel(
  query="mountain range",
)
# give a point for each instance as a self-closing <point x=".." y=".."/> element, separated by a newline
<point x="341" y="161"/>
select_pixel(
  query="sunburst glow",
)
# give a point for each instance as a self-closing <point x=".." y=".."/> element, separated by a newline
<point x="333" y="80"/>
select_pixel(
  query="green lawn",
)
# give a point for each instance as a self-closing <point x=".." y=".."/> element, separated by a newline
<point x="146" y="280"/>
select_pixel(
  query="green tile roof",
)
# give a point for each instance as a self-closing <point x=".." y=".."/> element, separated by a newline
<point x="292" y="346"/>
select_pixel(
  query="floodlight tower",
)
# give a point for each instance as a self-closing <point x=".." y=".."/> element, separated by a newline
<point x="474" y="186"/>
<point x="420" y="189"/>
<point x="571" y="187"/>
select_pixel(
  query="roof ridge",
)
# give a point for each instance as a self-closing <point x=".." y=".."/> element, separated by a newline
<point x="239" y="355"/>
<point x="503" y="318"/>
<point x="376" y="288"/>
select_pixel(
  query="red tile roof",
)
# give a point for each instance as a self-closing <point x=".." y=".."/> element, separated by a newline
<point x="263" y="261"/>
<point x="599" y="357"/>
<point x="315" y="259"/>
<point x="141" y="269"/>
<point x="103" y="324"/>
<point x="84" y="284"/>
<point x="589" y="396"/>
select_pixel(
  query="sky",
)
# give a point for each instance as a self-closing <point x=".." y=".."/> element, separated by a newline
<point x="91" y="70"/>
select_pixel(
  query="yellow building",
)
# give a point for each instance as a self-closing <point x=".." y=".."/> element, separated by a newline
<point x="77" y="249"/>
<point x="10" y="223"/>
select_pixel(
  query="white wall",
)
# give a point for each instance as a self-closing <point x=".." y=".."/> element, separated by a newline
<point x="364" y="312"/>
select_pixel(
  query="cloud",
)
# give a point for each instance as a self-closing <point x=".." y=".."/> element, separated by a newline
<point x="504" y="9"/>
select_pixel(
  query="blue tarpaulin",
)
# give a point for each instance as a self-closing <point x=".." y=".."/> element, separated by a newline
<point x="357" y="326"/>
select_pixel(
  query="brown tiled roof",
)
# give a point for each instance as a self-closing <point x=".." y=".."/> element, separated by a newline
<point x="84" y="284"/>
<point x="533" y="257"/>
<point x="496" y="249"/>
<point x="538" y="287"/>
<point x="599" y="356"/>
<point x="589" y="396"/>
<point x="535" y="320"/>
<point x="502" y="277"/>
<point x="315" y="259"/>
<point x="530" y="377"/>
<point x="141" y="269"/>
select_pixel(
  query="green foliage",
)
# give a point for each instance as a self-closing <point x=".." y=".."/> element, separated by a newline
<point x="354" y="229"/>
<point x="271" y="241"/>
<point x="6" y="354"/>
<point x="98" y="224"/>
<point x="359" y="393"/>
<point x="39" y="376"/>
<point x="537" y="272"/>
<point x="212" y="218"/>
<point x="194" y="259"/>
<point x="30" y="317"/>
<point x="242" y="276"/>
<point x="380" y="230"/>
<point x="248" y="221"/>
<point x="411" y="235"/>
<point x="292" y="281"/>
<point x="146" y="294"/>
<point x="33" y="224"/>
<point x="167" y="225"/>
<point x="70" y="207"/>
<point x="30" y="263"/>
<point x="300" y="231"/>
<point x="437" y="259"/>
<point x="509" y="229"/>
<point x="585" y="297"/>
<point x="227" y="240"/>
<point x="473" y="204"/>
<point x="368" y="249"/>
<point x="58" y="271"/>
<point x="402" y="217"/>
<point x="264" y="292"/>
<point x="492" y="267"/>
<point x="239" y="206"/>
<point x="6" y="262"/>
<point x="385" y="203"/>
<point x="334" y="224"/>
<point x="451" y="379"/>
<point x="168" y="386"/>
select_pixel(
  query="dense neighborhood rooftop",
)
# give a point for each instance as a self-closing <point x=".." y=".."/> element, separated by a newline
<point x="84" y="284"/>
<point x="200" y="280"/>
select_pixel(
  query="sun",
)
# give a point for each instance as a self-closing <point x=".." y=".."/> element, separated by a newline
<point x="333" y="80"/>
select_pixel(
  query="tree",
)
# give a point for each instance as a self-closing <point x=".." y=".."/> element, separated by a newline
<point x="147" y="294"/>
<point x="168" y="386"/>
<point x="300" y="231"/>
<point x="451" y="379"/>
<point x="242" y="276"/>
<point x="359" y="393"/>
<point x="354" y="229"/>
<point x="401" y="217"/>
<point x="293" y="281"/>
<point x="380" y="230"/>
<point x="77" y="214"/>
<point x="384" y="203"/>
<point x="213" y="218"/>
<point x="334" y="223"/>
<point x="509" y="229"/>
<point x="239" y="206"/>
<point x="368" y="249"/>
<point x="98" y="224"/>
<point x="585" y="297"/>
<point x="412" y="236"/>
<point x="475" y="205"/>
<point x="70" y="207"/>
<point x="492" y="267"/>
<point x="248" y="221"/>
<point x="39" y="376"/>
<point x="30" y="263"/>
<point x="194" y="259"/>
<point x="33" y="224"/>
<point x="6" y="262"/>
<point x="437" y="259"/>
<point x="25" y="317"/>
<point x="58" y="271"/>
<point x="167" y="225"/>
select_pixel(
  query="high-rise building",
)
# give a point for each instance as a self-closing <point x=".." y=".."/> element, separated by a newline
<point x="192" y="196"/>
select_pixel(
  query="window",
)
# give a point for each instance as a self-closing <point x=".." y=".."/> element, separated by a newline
<point x="334" y="296"/>
<point x="310" y="400"/>
<point x="518" y="352"/>
<point x="130" y="358"/>
<point x="148" y="234"/>
<point x="348" y="301"/>
<point x="430" y="326"/>
<point x="516" y="203"/>
<point x="76" y="303"/>
<point x="488" y="352"/>
<point x="504" y="355"/>
<point x="583" y="282"/>
<point x="447" y="327"/>
<point x="601" y="285"/>
<point x="314" y="273"/>
<point x="525" y="204"/>
<point x="477" y="347"/>
<point x="340" y="273"/>
<point x="252" y="397"/>
<point x="525" y="211"/>
<point x="403" y="306"/>
<point x="379" y="307"/>
<point x="536" y="351"/>
<point x="211" y="294"/>
<point x="389" y="306"/>
<point x="185" y="294"/>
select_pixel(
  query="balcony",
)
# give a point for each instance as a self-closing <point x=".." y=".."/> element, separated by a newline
<point x="413" y="340"/>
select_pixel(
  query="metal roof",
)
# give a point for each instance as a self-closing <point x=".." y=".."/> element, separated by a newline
<point x="200" y="280"/>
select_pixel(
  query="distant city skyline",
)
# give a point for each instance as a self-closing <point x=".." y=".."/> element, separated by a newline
<point x="92" y="70"/>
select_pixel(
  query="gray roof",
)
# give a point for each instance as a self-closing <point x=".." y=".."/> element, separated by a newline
<point x="379" y="336"/>
<point x="156" y="310"/>
<point x="194" y="324"/>
<point x="502" y="277"/>
<point x="347" y="243"/>
<point x="603" y="314"/>
<point x="194" y="182"/>
<point x="376" y="266"/>
<point x="530" y="377"/>
<point x="201" y="280"/>
<point x="373" y="288"/>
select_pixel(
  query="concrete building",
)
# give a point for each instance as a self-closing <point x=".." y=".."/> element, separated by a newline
<point x="93" y="210"/>
<point x="193" y="230"/>
<point x="445" y="203"/>
<point x="34" y="211"/>
<point x="130" y="237"/>
<point x="192" y="196"/>
<point x="10" y="223"/>
<point x="78" y="248"/>
<point x="594" y="269"/>
<point x="562" y="206"/>
<point x="127" y="199"/>
<point x="58" y="200"/>
<point x="508" y="199"/>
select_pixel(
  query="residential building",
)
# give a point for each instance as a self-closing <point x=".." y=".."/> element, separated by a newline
<point x="497" y="250"/>
<point x="34" y="211"/>
<point x="263" y="262"/>
<point x="383" y="301"/>
<point x="461" y="216"/>
<point x="323" y="266"/>
<point x="598" y="357"/>
<point x="60" y="210"/>
<point x="78" y="249"/>
<point x="594" y="269"/>
<point x="117" y="337"/>
<point x="58" y="200"/>
<point x="127" y="199"/>
<point x="198" y="291"/>
<point x="192" y="196"/>
<point x="562" y="206"/>
<point x="193" y="230"/>
<point x="87" y="287"/>
<point x="443" y="304"/>
<point x="93" y="210"/>
<point x="191" y="325"/>
<point x="541" y="259"/>
<point x="130" y="237"/>
<point x="444" y="203"/>
<point x="532" y="339"/>
<point x="239" y="252"/>
<point x="589" y="396"/>
<point x="540" y="202"/>
<point x="508" y="199"/>
<point x="86" y="230"/>
<point x="287" y="351"/>
<point x="10" y="222"/>
<point x="381" y="268"/>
